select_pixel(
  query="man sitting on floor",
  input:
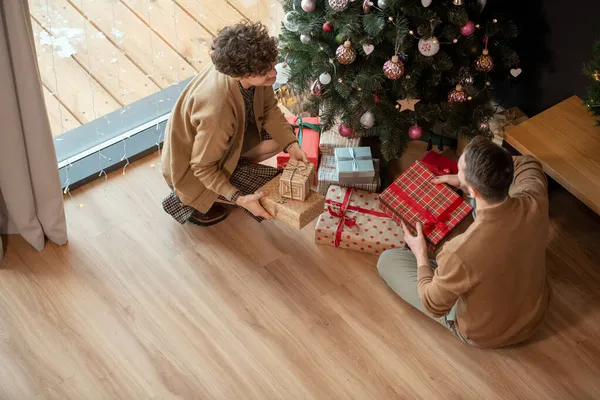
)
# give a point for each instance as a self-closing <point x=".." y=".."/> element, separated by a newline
<point x="224" y="124"/>
<point x="489" y="285"/>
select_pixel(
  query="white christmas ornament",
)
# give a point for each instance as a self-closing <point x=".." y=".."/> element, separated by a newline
<point x="482" y="3"/>
<point x="305" y="39"/>
<point x="516" y="72"/>
<point x="367" y="120"/>
<point x="382" y="4"/>
<point x="290" y="21"/>
<point x="283" y="73"/>
<point x="325" y="78"/>
<point x="368" y="48"/>
<point x="426" y="3"/>
<point x="308" y="5"/>
<point x="429" y="47"/>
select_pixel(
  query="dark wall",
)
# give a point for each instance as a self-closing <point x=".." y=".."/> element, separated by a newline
<point x="556" y="38"/>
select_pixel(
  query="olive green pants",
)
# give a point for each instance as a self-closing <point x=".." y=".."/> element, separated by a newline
<point x="398" y="268"/>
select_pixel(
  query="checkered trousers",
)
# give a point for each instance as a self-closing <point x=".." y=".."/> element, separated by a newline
<point x="248" y="177"/>
<point x="416" y="183"/>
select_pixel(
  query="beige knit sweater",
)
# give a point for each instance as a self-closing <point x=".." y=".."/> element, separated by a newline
<point x="496" y="270"/>
<point x="204" y="136"/>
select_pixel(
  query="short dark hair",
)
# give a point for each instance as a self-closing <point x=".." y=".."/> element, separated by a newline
<point x="488" y="168"/>
<point x="244" y="49"/>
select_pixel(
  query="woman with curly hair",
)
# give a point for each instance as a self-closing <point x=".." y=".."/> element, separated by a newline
<point x="225" y="123"/>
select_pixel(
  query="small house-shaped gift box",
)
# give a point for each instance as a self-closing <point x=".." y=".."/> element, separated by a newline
<point x="295" y="181"/>
<point x="354" y="165"/>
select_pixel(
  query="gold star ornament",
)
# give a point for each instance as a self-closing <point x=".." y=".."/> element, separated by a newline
<point x="407" y="104"/>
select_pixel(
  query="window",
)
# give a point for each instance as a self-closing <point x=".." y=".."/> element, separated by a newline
<point x="111" y="70"/>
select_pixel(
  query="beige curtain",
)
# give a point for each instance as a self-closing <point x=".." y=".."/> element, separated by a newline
<point x="31" y="202"/>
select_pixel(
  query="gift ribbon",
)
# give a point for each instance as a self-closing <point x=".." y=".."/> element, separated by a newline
<point x="345" y="220"/>
<point x="355" y="168"/>
<point x="300" y="124"/>
<point x="300" y="167"/>
<point x="430" y="222"/>
<point x="437" y="170"/>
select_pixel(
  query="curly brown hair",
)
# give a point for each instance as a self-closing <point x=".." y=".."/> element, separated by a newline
<point x="244" y="49"/>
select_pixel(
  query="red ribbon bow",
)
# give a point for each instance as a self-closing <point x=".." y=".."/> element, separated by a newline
<point x="344" y="219"/>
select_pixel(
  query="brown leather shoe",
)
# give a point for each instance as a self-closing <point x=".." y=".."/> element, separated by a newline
<point x="216" y="214"/>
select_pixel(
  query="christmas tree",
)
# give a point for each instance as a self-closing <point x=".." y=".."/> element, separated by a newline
<point x="398" y="69"/>
<point x="592" y="69"/>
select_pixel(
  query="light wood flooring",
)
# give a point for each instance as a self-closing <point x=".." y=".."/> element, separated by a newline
<point x="139" y="307"/>
<point x="96" y="56"/>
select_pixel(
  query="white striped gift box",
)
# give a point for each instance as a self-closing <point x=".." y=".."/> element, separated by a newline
<point x="331" y="140"/>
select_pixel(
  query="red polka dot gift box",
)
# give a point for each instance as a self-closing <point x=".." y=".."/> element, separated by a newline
<point x="414" y="198"/>
<point x="352" y="220"/>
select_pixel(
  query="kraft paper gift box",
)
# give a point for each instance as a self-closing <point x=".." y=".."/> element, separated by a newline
<point x="331" y="140"/>
<point x="414" y="198"/>
<point x="295" y="180"/>
<point x="295" y="213"/>
<point x="327" y="176"/>
<point x="352" y="220"/>
<point x="354" y="165"/>
<point x="505" y="120"/>
<point x="307" y="131"/>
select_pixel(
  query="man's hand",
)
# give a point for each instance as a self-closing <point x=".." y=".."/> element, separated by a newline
<point x="251" y="203"/>
<point x="416" y="243"/>
<point x="451" y="180"/>
<point x="296" y="153"/>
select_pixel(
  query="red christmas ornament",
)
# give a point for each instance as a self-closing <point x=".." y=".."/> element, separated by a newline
<point x="468" y="29"/>
<point x="316" y="88"/>
<point x="415" y="132"/>
<point x="345" y="131"/>
<point x="376" y="98"/>
<point x="327" y="27"/>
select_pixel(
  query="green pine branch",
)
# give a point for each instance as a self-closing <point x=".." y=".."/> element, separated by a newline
<point x="362" y="86"/>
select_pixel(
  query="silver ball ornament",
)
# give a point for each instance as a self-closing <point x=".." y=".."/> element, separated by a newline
<point x="325" y="78"/>
<point x="290" y="21"/>
<point x="305" y="38"/>
<point x="308" y="5"/>
<point x="367" y="120"/>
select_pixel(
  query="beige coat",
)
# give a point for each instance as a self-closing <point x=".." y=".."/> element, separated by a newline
<point x="205" y="132"/>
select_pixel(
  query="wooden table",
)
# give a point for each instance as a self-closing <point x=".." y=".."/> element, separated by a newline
<point x="567" y="142"/>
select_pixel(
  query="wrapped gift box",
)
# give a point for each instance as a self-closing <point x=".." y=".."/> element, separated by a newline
<point x="354" y="165"/>
<point x="439" y="164"/>
<point x="352" y="221"/>
<point x="414" y="198"/>
<point x="504" y="121"/>
<point x="308" y="138"/>
<point x="331" y="140"/>
<point x="295" y="213"/>
<point x="327" y="176"/>
<point x="296" y="180"/>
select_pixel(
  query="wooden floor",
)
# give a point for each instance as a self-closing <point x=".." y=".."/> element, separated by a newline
<point x="139" y="307"/>
<point x="96" y="56"/>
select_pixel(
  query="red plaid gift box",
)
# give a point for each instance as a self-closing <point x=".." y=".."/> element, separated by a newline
<point x="439" y="164"/>
<point x="413" y="198"/>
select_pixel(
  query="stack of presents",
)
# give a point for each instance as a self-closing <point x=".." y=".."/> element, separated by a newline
<point x="341" y="187"/>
